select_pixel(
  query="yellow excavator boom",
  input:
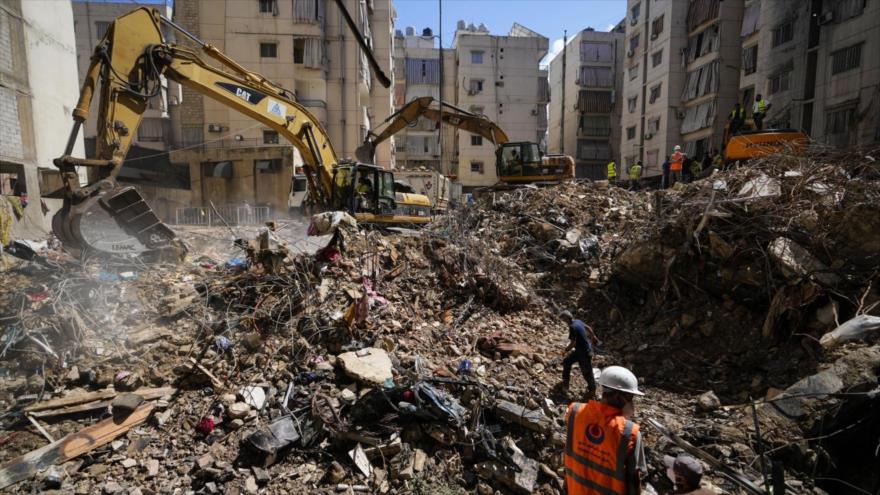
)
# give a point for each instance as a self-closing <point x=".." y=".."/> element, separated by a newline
<point x="128" y="64"/>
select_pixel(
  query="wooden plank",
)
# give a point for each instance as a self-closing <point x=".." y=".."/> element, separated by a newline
<point x="146" y="393"/>
<point x="70" y="447"/>
<point x="101" y="395"/>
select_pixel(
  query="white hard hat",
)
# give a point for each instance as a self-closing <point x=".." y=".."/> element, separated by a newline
<point x="677" y="148"/>
<point x="620" y="378"/>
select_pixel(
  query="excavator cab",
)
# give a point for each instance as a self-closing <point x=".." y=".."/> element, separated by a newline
<point x="364" y="190"/>
<point x="523" y="163"/>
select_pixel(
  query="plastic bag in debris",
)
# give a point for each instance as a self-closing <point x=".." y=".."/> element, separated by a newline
<point x="326" y="223"/>
<point x="435" y="404"/>
<point x="853" y="329"/>
<point x="759" y="187"/>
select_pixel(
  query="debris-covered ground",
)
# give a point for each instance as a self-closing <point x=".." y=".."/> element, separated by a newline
<point x="425" y="361"/>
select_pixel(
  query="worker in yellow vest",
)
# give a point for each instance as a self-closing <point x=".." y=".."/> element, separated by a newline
<point x="612" y="171"/>
<point x="635" y="173"/>
<point x="603" y="446"/>
<point x="759" y="111"/>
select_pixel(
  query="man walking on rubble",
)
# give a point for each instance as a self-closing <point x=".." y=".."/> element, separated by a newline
<point x="581" y="339"/>
<point x="603" y="446"/>
<point x="675" y="165"/>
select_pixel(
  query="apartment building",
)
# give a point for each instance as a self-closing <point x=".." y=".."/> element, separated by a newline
<point x="304" y="46"/>
<point x="810" y="61"/>
<point x="417" y="73"/>
<point x="586" y="82"/>
<point x="38" y="89"/>
<point x="499" y="77"/>
<point x="682" y="77"/>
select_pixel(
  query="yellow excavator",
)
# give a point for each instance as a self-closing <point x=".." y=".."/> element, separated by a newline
<point x="103" y="217"/>
<point x="515" y="162"/>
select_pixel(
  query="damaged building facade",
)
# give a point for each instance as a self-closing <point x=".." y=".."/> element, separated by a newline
<point x="31" y="101"/>
<point x="304" y="46"/>
<point x="417" y="73"/>
<point x="810" y="61"/>
<point x="690" y="62"/>
<point x="586" y="83"/>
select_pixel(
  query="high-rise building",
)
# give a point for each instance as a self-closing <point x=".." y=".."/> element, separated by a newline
<point x="417" y="74"/>
<point x="499" y="77"/>
<point x="38" y="89"/>
<point x="681" y="79"/>
<point x="811" y="62"/>
<point x="304" y="46"/>
<point x="586" y="83"/>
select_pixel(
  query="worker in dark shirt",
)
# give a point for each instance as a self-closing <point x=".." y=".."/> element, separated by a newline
<point x="580" y="339"/>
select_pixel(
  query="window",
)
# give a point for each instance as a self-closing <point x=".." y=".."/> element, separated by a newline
<point x="750" y="59"/>
<point x="299" y="50"/>
<point x="272" y="166"/>
<point x="633" y="72"/>
<point x="783" y="33"/>
<point x="631" y="132"/>
<point x="477" y="167"/>
<point x="308" y="10"/>
<point x="657" y="58"/>
<point x="476" y="86"/>
<point x="636" y="11"/>
<point x="600" y="77"/>
<point x="595" y="101"/>
<point x="268" y="7"/>
<point x="270" y="137"/>
<point x="101" y="29"/>
<point x="838" y="121"/>
<point x="631" y="104"/>
<point x="653" y="127"/>
<point x="476" y="140"/>
<point x="846" y="59"/>
<point x="268" y="50"/>
<point x="595" y="125"/>
<point x="657" y="26"/>
<point x="594" y="51"/>
<point x="847" y="9"/>
<point x="655" y="92"/>
<point x="476" y="57"/>
<point x="634" y="43"/>
<point x="751" y="17"/>
<point x="590" y="149"/>
<point x="780" y="82"/>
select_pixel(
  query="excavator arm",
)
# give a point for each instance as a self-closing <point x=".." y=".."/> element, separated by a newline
<point x="128" y="63"/>
<point x="431" y="109"/>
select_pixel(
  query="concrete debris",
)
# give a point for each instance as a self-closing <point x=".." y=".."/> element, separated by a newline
<point x="425" y="361"/>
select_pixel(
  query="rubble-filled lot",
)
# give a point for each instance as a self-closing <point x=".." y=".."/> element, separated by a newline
<point x="425" y="362"/>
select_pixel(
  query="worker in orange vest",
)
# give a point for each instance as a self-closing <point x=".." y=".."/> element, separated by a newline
<point x="676" y="161"/>
<point x="603" y="447"/>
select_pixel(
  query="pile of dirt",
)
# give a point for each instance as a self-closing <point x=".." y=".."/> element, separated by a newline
<point x="425" y="361"/>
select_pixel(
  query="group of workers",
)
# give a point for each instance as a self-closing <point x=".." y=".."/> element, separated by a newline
<point x="604" y="453"/>
<point x="737" y="117"/>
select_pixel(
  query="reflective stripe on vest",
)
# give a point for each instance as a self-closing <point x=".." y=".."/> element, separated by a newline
<point x="579" y="469"/>
<point x="611" y="171"/>
<point x="762" y="106"/>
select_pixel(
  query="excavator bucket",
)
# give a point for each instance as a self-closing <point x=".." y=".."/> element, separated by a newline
<point x="115" y="221"/>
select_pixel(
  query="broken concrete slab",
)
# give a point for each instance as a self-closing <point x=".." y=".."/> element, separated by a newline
<point x="369" y="365"/>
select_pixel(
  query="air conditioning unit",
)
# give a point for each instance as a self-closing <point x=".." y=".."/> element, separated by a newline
<point x="633" y="21"/>
<point x="648" y="135"/>
<point x="215" y="128"/>
<point x="654" y="36"/>
<point x="534" y="111"/>
<point x="680" y="114"/>
<point x="472" y="92"/>
<point x="630" y="53"/>
<point x="577" y="81"/>
<point x="826" y="18"/>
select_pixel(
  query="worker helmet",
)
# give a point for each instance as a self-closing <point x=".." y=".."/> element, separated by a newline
<point x="677" y="148"/>
<point x="620" y="378"/>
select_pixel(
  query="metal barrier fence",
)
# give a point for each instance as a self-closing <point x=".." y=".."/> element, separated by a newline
<point x="232" y="214"/>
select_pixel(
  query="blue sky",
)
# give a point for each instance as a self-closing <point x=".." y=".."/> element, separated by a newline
<point x="547" y="17"/>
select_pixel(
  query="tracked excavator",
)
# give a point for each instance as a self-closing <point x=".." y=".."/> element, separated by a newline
<point x="104" y="218"/>
<point x="516" y="163"/>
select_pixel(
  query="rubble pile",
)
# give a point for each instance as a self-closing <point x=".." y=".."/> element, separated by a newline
<point x="424" y="362"/>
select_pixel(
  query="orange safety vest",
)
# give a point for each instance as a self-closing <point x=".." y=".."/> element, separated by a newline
<point x="677" y="158"/>
<point x="596" y="446"/>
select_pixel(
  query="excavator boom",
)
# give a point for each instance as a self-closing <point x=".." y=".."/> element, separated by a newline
<point x="128" y="63"/>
